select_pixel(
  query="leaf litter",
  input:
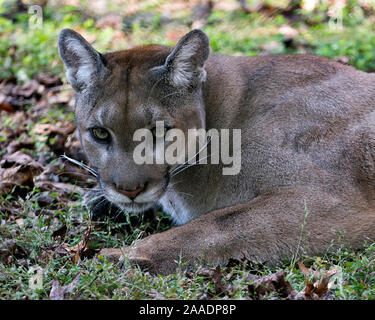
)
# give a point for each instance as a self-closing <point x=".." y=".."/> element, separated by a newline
<point x="61" y="292"/>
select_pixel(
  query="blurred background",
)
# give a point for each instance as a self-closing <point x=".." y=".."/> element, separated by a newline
<point x="340" y="29"/>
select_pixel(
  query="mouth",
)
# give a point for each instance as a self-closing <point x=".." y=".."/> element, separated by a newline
<point x="145" y="200"/>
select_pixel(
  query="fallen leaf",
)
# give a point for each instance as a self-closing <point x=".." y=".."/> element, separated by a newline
<point x="20" y="222"/>
<point x="73" y="147"/>
<point x="63" y="96"/>
<point x="156" y="294"/>
<point x="60" y="293"/>
<point x="16" y="145"/>
<point x="48" y="80"/>
<point x="229" y="275"/>
<point x="19" y="158"/>
<point x="60" y="232"/>
<point x="314" y="275"/>
<point x="216" y="276"/>
<point x="45" y="200"/>
<point x="80" y="250"/>
<point x="5" y="106"/>
<point x="344" y="60"/>
<point x="6" y="211"/>
<point x="273" y="283"/>
<point x="200" y="13"/>
<point x="63" y="188"/>
<point x="205" y="272"/>
<point x="322" y="287"/>
<point x="317" y="289"/>
<point x="10" y="251"/>
<point x="81" y="247"/>
<point x="302" y="267"/>
<point x="63" y="128"/>
<point x="28" y="89"/>
<point x="18" y="169"/>
<point x="203" y="296"/>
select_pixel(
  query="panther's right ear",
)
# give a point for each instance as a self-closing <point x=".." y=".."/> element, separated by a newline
<point x="185" y="64"/>
<point x="84" y="65"/>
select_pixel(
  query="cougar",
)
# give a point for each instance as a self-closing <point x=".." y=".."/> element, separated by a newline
<point x="307" y="149"/>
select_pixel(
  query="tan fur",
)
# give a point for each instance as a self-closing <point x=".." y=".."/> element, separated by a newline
<point x="308" y="150"/>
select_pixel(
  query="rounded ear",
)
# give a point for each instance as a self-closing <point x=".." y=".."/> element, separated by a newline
<point x="84" y="65"/>
<point x="185" y="64"/>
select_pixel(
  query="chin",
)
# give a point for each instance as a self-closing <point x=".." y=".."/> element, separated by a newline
<point x="135" y="207"/>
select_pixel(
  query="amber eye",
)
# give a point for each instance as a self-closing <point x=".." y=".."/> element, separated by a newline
<point x="100" y="134"/>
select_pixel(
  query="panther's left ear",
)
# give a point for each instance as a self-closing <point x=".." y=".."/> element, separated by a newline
<point x="85" y="67"/>
<point x="185" y="64"/>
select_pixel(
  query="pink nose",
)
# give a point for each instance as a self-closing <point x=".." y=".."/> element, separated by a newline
<point x="132" y="194"/>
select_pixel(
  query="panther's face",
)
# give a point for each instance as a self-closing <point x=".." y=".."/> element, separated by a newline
<point x="121" y="92"/>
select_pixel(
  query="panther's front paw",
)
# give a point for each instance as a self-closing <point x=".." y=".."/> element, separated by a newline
<point x="117" y="255"/>
<point x="112" y="254"/>
<point x="161" y="253"/>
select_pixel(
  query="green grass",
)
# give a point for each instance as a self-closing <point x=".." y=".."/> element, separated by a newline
<point x="25" y="52"/>
<point x="101" y="279"/>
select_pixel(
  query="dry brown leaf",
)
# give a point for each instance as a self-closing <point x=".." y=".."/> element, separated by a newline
<point x="322" y="287"/>
<point x="319" y="288"/>
<point x="309" y="288"/>
<point x="156" y="294"/>
<point x="332" y="271"/>
<point x="45" y="200"/>
<point x="73" y="148"/>
<point x="200" y="13"/>
<point x="15" y="145"/>
<point x="275" y="282"/>
<point x="8" y="212"/>
<point x="78" y="251"/>
<point x="60" y="293"/>
<point x="19" y="158"/>
<point x="20" y="223"/>
<point x="302" y="267"/>
<point x="5" y="106"/>
<point x="309" y="272"/>
<point x="63" y="188"/>
<point x="18" y="169"/>
<point x="229" y="275"/>
<point x="48" y="79"/>
<point x="60" y="232"/>
<point x="10" y="251"/>
<point x="205" y="272"/>
<point x="62" y="127"/>
<point x="62" y="96"/>
<point x="217" y="277"/>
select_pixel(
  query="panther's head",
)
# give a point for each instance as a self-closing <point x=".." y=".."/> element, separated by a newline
<point x="120" y="92"/>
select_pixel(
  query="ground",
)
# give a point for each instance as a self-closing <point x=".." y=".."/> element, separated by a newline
<point x="49" y="240"/>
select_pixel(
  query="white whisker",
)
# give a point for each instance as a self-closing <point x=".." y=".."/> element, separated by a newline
<point x="188" y="166"/>
<point x="82" y="165"/>
<point x="172" y="173"/>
